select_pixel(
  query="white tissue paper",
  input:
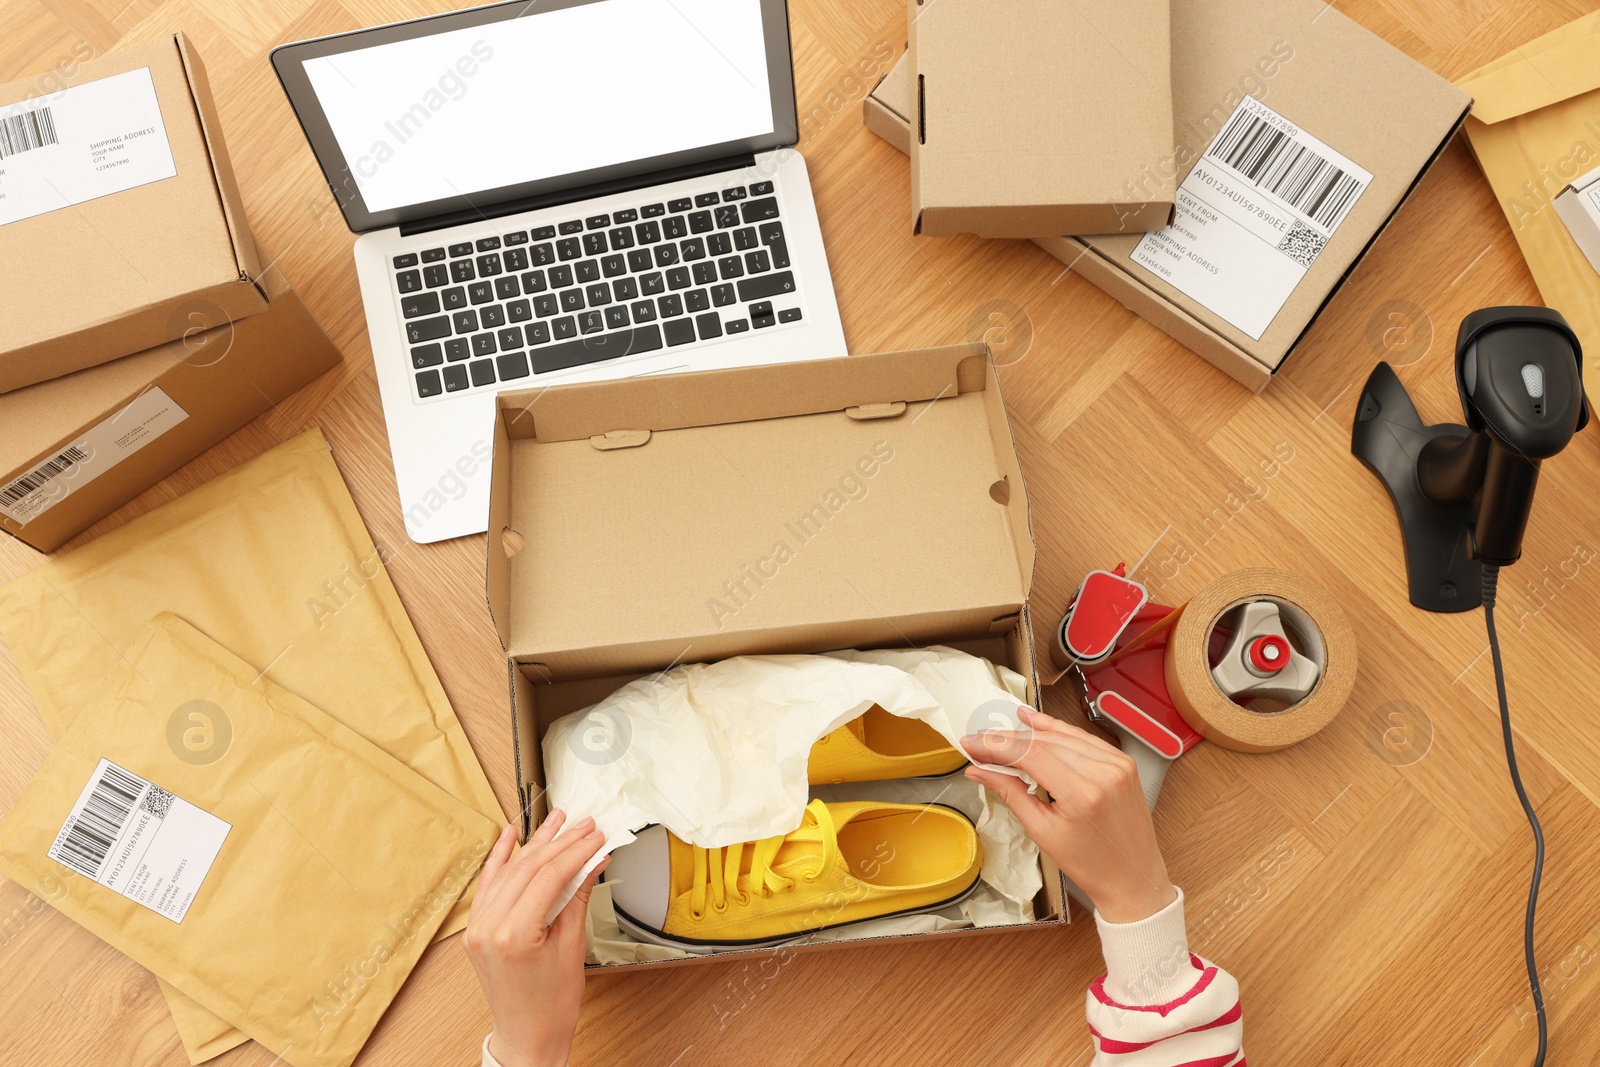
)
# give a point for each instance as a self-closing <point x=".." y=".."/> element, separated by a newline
<point x="717" y="752"/>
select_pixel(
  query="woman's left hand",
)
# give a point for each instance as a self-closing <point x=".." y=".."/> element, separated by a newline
<point x="532" y="974"/>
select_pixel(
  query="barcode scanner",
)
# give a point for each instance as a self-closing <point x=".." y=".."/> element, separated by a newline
<point x="1517" y="370"/>
<point x="1464" y="493"/>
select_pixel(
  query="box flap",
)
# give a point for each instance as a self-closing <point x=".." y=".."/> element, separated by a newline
<point x="503" y="542"/>
<point x="894" y="89"/>
<point x="757" y="499"/>
<point x="879" y="116"/>
<point x="1035" y="119"/>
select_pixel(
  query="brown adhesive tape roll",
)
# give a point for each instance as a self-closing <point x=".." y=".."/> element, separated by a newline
<point x="1306" y="607"/>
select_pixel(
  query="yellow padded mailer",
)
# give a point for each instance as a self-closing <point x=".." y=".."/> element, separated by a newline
<point x="1535" y="125"/>
<point x="271" y="561"/>
<point x="304" y="870"/>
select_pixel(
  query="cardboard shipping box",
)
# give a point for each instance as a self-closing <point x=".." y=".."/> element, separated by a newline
<point x="865" y="502"/>
<point x="1298" y="136"/>
<point x="76" y="448"/>
<point x="1036" y="118"/>
<point x="120" y="221"/>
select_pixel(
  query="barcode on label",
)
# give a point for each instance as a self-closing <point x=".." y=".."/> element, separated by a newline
<point x="1282" y="164"/>
<point x="99" y="823"/>
<point x="27" y="131"/>
<point x="42" y="474"/>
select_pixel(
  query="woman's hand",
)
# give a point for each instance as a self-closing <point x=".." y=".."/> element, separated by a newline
<point x="1096" y="826"/>
<point x="532" y="974"/>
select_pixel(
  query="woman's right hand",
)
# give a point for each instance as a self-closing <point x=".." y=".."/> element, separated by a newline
<point x="1096" y="826"/>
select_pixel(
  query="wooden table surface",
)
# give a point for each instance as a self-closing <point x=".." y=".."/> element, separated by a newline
<point x="1366" y="887"/>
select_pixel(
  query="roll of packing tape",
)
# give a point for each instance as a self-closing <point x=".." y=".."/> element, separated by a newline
<point x="1314" y="621"/>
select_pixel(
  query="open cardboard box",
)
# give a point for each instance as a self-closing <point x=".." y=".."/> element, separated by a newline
<point x="865" y="502"/>
<point x="1337" y="89"/>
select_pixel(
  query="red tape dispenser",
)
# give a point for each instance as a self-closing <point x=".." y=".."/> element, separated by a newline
<point x="1259" y="660"/>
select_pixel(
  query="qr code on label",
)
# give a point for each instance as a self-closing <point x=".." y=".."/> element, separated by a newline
<point x="1302" y="244"/>
<point x="157" y="802"/>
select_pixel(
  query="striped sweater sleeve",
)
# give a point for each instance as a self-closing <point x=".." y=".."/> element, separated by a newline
<point x="1158" y="1004"/>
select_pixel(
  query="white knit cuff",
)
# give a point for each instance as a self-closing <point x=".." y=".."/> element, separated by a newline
<point x="1147" y="962"/>
<point x="488" y="1057"/>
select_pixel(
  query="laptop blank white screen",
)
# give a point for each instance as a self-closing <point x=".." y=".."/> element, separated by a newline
<point x="546" y="94"/>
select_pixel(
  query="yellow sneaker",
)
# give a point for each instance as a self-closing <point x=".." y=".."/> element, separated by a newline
<point x="879" y="746"/>
<point x="846" y="863"/>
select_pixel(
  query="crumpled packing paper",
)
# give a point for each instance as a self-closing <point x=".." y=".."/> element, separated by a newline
<point x="717" y="752"/>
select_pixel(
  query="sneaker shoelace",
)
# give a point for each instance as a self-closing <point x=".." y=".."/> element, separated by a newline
<point x="717" y="870"/>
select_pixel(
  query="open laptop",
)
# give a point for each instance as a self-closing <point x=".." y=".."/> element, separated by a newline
<point x="557" y="191"/>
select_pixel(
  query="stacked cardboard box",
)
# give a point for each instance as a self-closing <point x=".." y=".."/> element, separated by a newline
<point x="1298" y="135"/>
<point x="141" y="327"/>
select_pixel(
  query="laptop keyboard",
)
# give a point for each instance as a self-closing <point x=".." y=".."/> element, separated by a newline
<point x="532" y="301"/>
